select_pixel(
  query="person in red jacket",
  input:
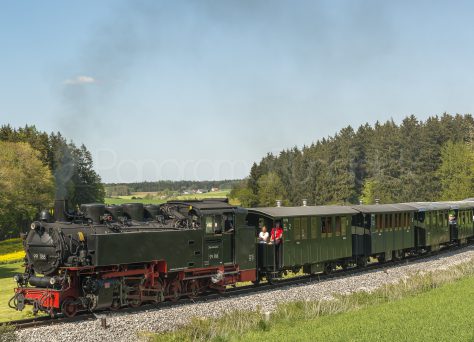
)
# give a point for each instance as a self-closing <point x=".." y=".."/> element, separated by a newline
<point x="276" y="234"/>
<point x="276" y="238"/>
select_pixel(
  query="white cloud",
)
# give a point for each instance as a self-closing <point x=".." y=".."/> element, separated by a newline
<point x="81" y="80"/>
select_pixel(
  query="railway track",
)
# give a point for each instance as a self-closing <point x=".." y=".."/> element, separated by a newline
<point x="232" y="292"/>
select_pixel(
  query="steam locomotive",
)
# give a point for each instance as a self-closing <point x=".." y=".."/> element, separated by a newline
<point x="108" y="257"/>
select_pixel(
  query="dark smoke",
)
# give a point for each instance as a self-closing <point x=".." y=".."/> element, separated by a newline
<point x="63" y="172"/>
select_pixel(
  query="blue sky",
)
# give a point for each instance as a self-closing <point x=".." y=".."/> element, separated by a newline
<point x="202" y="89"/>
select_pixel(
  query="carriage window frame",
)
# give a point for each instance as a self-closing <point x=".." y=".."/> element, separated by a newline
<point x="379" y="222"/>
<point x="343" y="225"/>
<point x="326" y="226"/>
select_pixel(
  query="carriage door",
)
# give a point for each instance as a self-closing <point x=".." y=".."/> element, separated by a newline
<point x="228" y="238"/>
<point x="212" y="248"/>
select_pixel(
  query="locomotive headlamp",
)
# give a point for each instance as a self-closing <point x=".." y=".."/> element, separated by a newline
<point x="18" y="278"/>
<point x="52" y="281"/>
<point x="33" y="225"/>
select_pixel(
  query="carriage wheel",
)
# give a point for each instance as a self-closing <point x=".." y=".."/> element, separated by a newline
<point x="328" y="268"/>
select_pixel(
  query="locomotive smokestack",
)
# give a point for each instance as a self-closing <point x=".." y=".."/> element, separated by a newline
<point x="60" y="207"/>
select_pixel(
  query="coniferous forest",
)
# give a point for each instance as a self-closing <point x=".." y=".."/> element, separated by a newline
<point x="412" y="161"/>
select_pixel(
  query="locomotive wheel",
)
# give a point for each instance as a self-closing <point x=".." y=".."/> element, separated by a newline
<point x="69" y="307"/>
<point x="174" y="290"/>
<point x="193" y="289"/>
<point x="134" y="303"/>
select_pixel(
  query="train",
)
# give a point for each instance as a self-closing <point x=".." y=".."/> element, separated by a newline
<point x="100" y="257"/>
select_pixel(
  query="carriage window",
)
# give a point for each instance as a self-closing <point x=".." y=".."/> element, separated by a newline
<point x="379" y="222"/>
<point x="343" y="226"/>
<point x="297" y="229"/>
<point x="338" y="226"/>
<point x="304" y="227"/>
<point x="387" y="221"/>
<point x="326" y="226"/>
<point x="209" y="224"/>
<point x="314" y="227"/>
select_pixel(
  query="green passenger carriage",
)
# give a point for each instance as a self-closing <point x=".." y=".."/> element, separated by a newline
<point x="315" y="238"/>
<point x="383" y="231"/>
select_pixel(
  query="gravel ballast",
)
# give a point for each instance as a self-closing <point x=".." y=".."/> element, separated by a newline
<point x="126" y="326"/>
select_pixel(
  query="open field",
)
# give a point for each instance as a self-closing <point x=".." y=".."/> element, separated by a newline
<point x="151" y="198"/>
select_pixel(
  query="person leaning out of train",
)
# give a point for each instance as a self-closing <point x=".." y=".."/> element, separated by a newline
<point x="263" y="236"/>
<point x="276" y="234"/>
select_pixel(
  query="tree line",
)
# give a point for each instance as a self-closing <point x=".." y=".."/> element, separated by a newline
<point x="413" y="161"/>
<point x="36" y="167"/>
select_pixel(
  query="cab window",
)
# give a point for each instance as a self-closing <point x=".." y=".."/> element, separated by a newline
<point x="213" y="224"/>
<point x="209" y="223"/>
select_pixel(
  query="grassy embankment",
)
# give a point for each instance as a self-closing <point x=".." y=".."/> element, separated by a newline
<point x="152" y="198"/>
<point x="431" y="307"/>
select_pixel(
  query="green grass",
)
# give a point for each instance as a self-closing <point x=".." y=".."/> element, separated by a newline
<point x="425" y="307"/>
<point x="7" y="284"/>
<point x="156" y="200"/>
<point x="127" y="199"/>
<point x="442" y="314"/>
<point x="10" y="246"/>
